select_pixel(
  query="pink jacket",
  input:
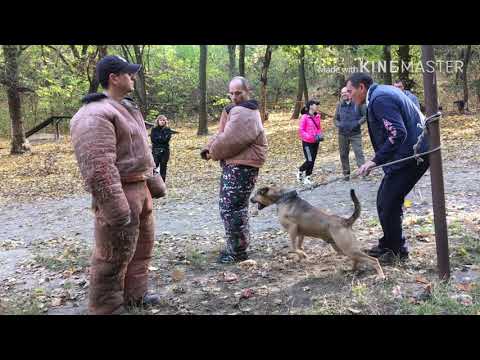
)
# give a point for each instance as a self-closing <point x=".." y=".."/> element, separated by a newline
<point x="309" y="127"/>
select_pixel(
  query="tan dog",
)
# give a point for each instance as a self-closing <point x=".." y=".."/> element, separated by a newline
<point x="299" y="218"/>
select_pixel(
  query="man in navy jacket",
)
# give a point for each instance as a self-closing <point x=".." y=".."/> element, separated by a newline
<point x="393" y="125"/>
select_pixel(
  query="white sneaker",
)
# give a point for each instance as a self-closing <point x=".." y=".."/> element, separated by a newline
<point x="307" y="181"/>
<point x="300" y="175"/>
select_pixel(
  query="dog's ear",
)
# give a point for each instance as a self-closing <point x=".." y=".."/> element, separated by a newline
<point x="263" y="191"/>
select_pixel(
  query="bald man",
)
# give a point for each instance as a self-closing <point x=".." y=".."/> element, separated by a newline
<point x="241" y="147"/>
<point x="348" y="119"/>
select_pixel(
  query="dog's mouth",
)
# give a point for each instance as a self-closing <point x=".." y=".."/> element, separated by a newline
<point x="260" y="206"/>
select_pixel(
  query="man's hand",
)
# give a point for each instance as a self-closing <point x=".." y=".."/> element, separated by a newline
<point x="364" y="170"/>
<point x="205" y="154"/>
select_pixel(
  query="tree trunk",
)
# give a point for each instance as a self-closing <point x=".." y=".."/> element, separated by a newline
<point x="202" y="120"/>
<point x="302" y="62"/>
<point x="466" y="60"/>
<point x="387" y="57"/>
<point x="94" y="83"/>
<point x="140" y="86"/>
<point x="263" y="79"/>
<point x="301" y="86"/>
<point x="231" y="57"/>
<point x="241" y="60"/>
<point x="19" y="143"/>
<point x="404" y="75"/>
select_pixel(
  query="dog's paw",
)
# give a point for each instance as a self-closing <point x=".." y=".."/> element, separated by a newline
<point x="380" y="278"/>
<point x="292" y="255"/>
<point x="301" y="254"/>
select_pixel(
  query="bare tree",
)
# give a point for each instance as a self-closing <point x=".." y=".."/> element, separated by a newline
<point x="100" y="52"/>
<point x="231" y="57"/>
<point x="466" y="60"/>
<point x="202" y="119"/>
<point x="241" y="60"/>
<point x="19" y="142"/>
<point x="305" y="85"/>
<point x="140" y="86"/>
<point x="404" y="57"/>
<point x="387" y="57"/>
<point x="301" y="80"/>
<point x="263" y="79"/>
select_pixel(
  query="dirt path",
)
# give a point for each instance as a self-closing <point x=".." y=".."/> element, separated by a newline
<point x="41" y="242"/>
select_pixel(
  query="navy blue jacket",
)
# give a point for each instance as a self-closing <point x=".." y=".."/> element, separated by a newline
<point x="392" y="125"/>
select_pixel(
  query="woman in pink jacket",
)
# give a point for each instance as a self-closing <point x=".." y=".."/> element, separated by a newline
<point x="311" y="133"/>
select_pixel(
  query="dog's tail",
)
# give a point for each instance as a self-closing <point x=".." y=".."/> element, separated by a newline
<point x="356" y="212"/>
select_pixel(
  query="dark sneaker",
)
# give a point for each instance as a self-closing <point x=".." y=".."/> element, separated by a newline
<point x="376" y="251"/>
<point x="391" y="258"/>
<point x="225" y="258"/>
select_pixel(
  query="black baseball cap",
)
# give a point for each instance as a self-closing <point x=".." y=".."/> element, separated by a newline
<point x="114" y="64"/>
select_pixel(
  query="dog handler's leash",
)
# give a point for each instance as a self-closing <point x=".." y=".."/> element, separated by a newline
<point x="416" y="156"/>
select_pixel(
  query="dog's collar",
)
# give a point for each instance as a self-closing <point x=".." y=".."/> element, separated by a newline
<point x="287" y="196"/>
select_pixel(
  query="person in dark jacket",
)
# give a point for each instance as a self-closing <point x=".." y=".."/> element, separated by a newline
<point x="393" y="125"/>
<point x="160" y="136"/>
<point x="348" y="119"/>
<point x="399" y="84"/>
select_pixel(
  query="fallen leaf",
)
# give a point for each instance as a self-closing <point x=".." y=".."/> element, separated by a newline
<point x="178" y="275"/>
<point x="421" y="280"/>
<point x="247" y="264"/>
<point x="229" y="277"/>
<point x="152" y="268"/>
<point x="246" y="294"/>
<point x="354" y="311"/>
<point x="56" y="302"/>
<point x="154" y="311"/>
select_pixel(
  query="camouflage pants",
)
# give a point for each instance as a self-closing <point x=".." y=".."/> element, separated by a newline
<point x="236" y="185"/>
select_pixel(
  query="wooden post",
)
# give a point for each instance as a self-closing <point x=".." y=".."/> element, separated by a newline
<point x="436" y="170"/>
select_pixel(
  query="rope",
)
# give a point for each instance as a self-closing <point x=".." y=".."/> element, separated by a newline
<point x="415" y="155"/>
<point x="424" y="127"/>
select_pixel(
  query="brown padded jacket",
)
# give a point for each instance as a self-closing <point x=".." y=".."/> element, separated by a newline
<point x="241" y="139"/>
<point x="111" y="148"/>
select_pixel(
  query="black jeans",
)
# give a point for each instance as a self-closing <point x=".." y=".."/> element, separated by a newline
<point x="390" y="198"/>
<point x="161" y="157"/>
<point x="310" y="151"/>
